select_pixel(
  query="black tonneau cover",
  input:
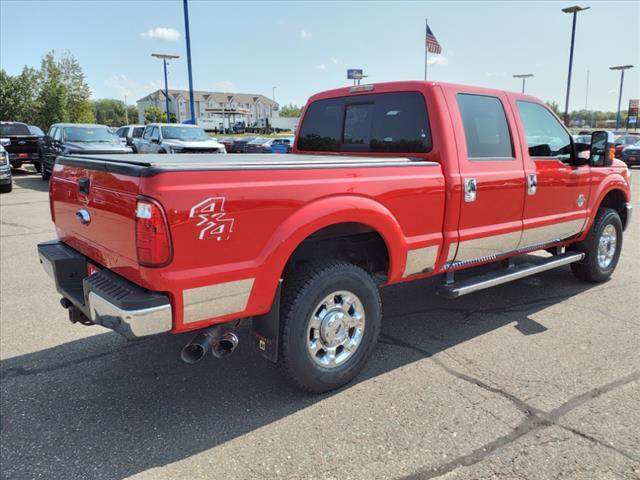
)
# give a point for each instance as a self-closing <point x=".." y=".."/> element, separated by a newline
<point x="144" y="165"/>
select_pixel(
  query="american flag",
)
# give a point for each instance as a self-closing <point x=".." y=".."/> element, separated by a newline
<point x="432" y="43"/>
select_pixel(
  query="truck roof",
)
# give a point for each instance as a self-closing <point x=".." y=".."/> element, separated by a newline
<point x="409" y="85"/>
<point x="151" y="164"/>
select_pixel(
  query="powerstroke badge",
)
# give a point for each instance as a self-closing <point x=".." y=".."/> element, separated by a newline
<point x="212" y="219"/>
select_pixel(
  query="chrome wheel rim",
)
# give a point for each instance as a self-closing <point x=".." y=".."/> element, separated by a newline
<point x="335" y="329"/>
<point x="607" y="246"/>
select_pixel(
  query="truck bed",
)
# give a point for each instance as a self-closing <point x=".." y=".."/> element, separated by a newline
<point x="151" y="164"/>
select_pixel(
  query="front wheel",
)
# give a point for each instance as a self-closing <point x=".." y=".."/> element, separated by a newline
<point x="330" y="322"/>
<point x="601" y="247"/>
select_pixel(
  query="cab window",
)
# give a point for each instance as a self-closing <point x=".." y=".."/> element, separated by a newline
<point x="147" y="133"/>
<point x="486" y="130"/>
<point x="387" y="122"/>
<point x="546" y="137"/>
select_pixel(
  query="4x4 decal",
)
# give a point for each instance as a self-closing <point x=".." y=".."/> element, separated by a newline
<point x="212" y="219"/>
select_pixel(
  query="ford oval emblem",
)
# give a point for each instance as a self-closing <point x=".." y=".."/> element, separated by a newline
<point x="83" y="216"/>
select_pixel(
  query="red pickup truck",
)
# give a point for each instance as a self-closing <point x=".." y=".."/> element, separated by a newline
<point x="387" y="183"/>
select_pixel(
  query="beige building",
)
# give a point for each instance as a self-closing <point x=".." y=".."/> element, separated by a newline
<point x="213" y="108"/>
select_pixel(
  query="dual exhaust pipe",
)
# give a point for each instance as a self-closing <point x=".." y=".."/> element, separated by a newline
<point x="220" y="340"/>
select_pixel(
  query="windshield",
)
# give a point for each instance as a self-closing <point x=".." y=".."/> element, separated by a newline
<point x="89" y="134"/>
<point x="184" y="133"/>
<point x="8" y="129"/>
<point x="36" y="131"/>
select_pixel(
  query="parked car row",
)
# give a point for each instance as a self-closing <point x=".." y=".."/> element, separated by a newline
<point x="257" y="144"/>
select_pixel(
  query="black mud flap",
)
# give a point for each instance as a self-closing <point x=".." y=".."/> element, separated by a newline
<point x="266" y="329"/>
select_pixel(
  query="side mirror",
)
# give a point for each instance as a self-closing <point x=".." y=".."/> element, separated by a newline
<point x="155" y="140"/>
<point x="602" y="151"/>
<point x="129" y="141"/>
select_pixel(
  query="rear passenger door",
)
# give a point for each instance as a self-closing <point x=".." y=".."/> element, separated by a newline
<point x="492" y="174"/>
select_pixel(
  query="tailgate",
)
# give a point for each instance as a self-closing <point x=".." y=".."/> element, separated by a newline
<point x="94" y="213"/>
<point x="22" y="144"/>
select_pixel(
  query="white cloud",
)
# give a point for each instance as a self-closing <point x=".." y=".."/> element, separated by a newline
<point x="335" y="61"/>
<point x="162" y="33"/>
<point x="322" y="66"/>
<point x="305" y="35"/>
<point x="122" y="86"/>
<point x="438" y="60"/>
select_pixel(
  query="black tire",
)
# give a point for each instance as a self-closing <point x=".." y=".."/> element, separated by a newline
<point x="38" y="166"/>
<point x="301" y="294"/>
<point x="44" y="173"/>
<point x="590" y="269"/>
<point x="6" y="188"/>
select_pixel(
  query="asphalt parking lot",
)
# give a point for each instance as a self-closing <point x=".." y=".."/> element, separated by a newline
<point x="538" y="379"/>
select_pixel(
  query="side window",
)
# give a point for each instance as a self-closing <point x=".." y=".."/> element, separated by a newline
<point x="121" y="132"/>
<point x="322" y="126"/>
<point x="545" y="135"/>
<point x="147" y="133"/>
<point x="137" y="132"/>
<point x="155" y="133"/>
<point x="486" y="130"/>
<point x="387" y="122"/>
<point x="57" y="134"/>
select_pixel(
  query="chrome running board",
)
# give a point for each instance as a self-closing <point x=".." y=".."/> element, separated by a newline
<point x="508" y="274"/>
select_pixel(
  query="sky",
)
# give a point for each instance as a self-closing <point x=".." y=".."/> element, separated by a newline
<point x="305" y="47"/>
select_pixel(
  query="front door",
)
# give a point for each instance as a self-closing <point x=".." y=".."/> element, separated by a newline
<point x="492" y="174"/>
<point x="558" y="191"/>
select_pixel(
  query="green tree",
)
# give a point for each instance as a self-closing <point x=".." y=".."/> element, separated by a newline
<point x="555" y="107"/>
<point x="132" y="114"/>
<point x="109" y="112"/>
<point x="18" y="95"/>
<point x="52" y="96"/>
<point x="77" y="92"/>
<point x="290" y="111"/>
<point x="154" y="114"/>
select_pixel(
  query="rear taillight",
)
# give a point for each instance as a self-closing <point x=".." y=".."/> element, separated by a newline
<point x="153" y="242"/>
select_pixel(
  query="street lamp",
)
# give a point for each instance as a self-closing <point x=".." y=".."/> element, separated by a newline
<point x="165" y="57"/>
<point x="575" y="9"/>
<point x="273" y="93"/>
<point x="524" y="77"/>
<point x="622" y="68"/>
<point x="187" y="36"/>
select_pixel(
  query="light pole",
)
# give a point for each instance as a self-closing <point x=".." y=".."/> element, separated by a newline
<point x="622" y="68"/>
<point x="165" y="57"/>
<point x="524" y="77"/>
<point x="188" y="38"/>
<point x="273" y="93"/>
<point x="575" y="9"/>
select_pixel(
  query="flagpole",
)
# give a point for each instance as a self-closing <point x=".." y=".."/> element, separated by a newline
<point x="426" y="50"/>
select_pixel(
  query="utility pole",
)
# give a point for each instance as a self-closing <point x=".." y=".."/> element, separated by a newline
<point x="165" y="57"/>
<point x="126" y="111"/>
<point x="622" y="68"/>
<point x="524" y="77"/>
<point x="575" y="9"/>
<point x="186" y="34"/>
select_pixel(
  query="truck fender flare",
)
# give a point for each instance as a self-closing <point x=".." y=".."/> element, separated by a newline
<point x="317" y="215"/>
<point x="613" y="182"/>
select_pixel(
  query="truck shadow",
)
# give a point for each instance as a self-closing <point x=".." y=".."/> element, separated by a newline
<point x="105" y="405"/>
<point x="29" y="180"/>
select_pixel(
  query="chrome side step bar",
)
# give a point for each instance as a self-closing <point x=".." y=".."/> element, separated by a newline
<point x="509" y="274"/>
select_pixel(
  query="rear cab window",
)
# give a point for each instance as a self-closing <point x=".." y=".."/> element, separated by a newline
<point x="486" y="130"/>
<point x="394" y="122"/>
<point x="10" y="129"/>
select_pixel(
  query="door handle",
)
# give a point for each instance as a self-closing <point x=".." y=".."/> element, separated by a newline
<point x="470" y="188"/>
<point x="532" y="183"/>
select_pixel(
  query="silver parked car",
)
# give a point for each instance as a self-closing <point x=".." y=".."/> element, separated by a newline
<point x="6" y="182"/>
<point x="177" y="138"/>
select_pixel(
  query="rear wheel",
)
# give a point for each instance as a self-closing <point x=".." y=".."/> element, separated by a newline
<point x="6" y="188"/>
<point x="38" y="166"/>
<point x="330" y="322"/>
<point x="601" y="247"/>
<point x="44" y="173"/>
